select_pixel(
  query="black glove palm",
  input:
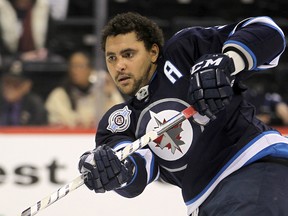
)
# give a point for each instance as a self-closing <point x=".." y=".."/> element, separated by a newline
<point x="210" y="85"/>
<point x="104" y="170"/>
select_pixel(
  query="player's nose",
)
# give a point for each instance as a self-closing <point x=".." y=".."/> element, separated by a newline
<point x="120" y="65"/>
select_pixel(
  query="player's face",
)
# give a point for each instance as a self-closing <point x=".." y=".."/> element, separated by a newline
<point x="129" y="63"/>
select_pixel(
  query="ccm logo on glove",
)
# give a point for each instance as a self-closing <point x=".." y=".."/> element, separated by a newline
<point x="207" y="63"/>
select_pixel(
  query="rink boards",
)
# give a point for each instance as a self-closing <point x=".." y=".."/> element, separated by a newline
<point x="35" y="162"/>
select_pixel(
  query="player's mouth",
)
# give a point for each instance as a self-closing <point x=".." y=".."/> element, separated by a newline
<point x="123" y="79"/>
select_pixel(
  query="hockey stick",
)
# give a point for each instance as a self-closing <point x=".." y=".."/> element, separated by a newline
<point x="122" y="154"/>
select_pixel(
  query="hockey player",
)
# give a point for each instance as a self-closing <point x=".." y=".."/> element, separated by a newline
<point x="235" y="165"/>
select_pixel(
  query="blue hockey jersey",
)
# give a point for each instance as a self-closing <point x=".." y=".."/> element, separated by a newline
<point x="194" y="157"/>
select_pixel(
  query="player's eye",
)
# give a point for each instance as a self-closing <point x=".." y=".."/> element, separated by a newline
<point x="111" y="58"/>
<point x="128" y="54"/>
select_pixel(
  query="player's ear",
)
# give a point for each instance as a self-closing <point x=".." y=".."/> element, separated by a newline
<point x="154" y="53"/>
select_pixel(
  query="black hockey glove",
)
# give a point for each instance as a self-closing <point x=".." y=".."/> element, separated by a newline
<point x="104" y="170"/>
<point x="210" y="85"/>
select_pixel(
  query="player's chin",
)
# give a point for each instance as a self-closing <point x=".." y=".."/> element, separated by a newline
<point x="127" y="90"/>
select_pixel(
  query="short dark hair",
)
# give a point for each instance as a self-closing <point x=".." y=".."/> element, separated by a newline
<point x="146" y="30"/>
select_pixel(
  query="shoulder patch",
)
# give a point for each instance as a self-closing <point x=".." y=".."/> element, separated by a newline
<point x="119" y="120"/>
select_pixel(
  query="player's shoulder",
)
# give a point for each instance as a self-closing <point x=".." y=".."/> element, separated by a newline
<point x="117" y="108"/>
<point x="199" y="31"/>
<point x="193" y="37"/>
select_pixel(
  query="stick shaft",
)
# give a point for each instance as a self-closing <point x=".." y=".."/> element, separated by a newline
<point x="61" y="192"/>
<point x="122" y="154"/>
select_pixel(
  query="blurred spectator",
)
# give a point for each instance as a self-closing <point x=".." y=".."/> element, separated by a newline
<point x="25" y="29"/>
<point x="84" y="96"/>
<point x="59" y="9"/>
<point x="20" y="106"/>
<point x="63" y="9"/>
<point x="270" y="108"/>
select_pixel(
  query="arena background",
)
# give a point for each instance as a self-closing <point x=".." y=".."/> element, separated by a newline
<point x="34" y="162"/>
<point x="83" y="30"/>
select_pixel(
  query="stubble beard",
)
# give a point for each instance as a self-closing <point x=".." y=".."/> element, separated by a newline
<point x="133" y="87"/>
<point x="137" y="84"/>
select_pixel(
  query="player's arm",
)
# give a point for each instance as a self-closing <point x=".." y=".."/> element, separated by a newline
<point x="106" y="172"/>
<point x="253" y="44"/>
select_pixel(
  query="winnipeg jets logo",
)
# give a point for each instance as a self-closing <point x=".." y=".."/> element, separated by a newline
<point x="119" y="120"/>
<point x="174" y="143"/>
<point x="170" y="139"/>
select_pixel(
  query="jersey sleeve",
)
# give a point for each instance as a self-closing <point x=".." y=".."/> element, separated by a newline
<point x="259" y="41"/>
<point x="117" y="129"/>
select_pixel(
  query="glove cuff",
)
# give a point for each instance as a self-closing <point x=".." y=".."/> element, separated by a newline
<point x="238" y="62"/>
